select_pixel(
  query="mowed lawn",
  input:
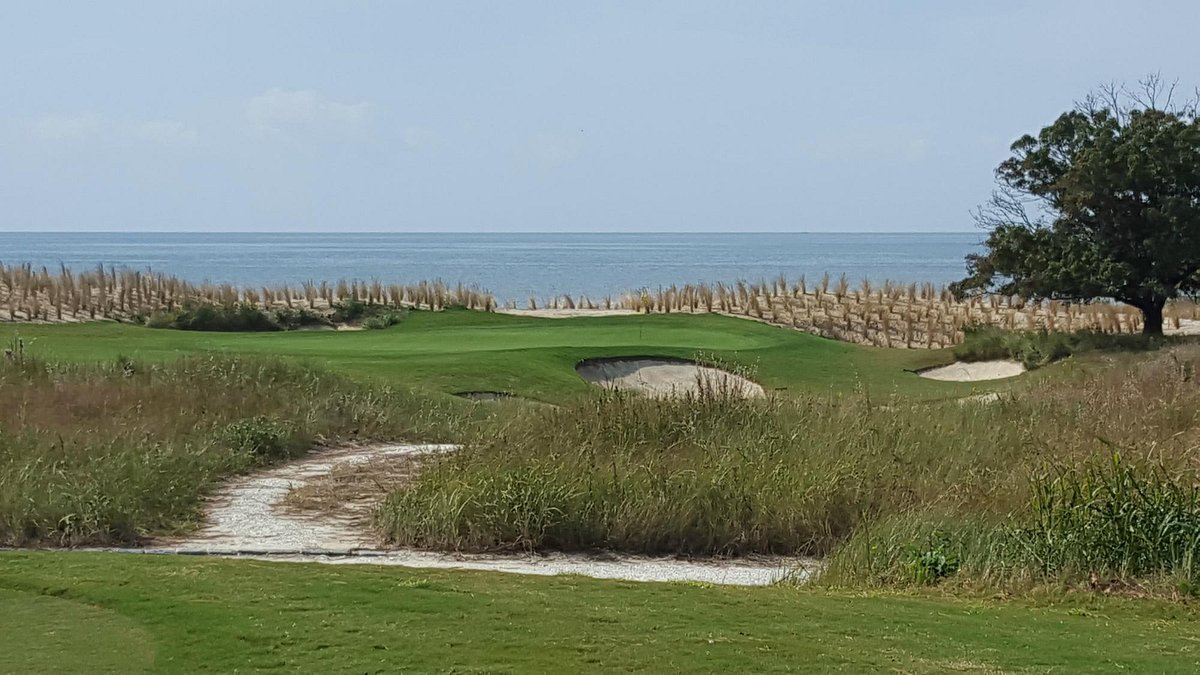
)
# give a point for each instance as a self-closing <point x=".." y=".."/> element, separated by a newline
<point x="457" y="351"/>
<point x="78" y="612"/>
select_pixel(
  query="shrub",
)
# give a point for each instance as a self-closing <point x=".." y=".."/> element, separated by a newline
<point x="1035" y="349"/>
<point x="933" y="561"/>
<point x="241" y="317"/>
<point x="295" y="318"/>
<point x="370" y="316"/>
<point x="349" y="311"/>
<point x="260" y="436"/>
<point x="384" y="319"/>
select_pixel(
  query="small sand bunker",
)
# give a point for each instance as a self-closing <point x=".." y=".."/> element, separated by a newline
<point x="976" y="371"/>
<point x="663" y="378"/>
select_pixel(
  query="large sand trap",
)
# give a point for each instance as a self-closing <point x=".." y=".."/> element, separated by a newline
<point x="662" y="378"/>
<point x="976" y="371"/>
<point x="247" y="519"/>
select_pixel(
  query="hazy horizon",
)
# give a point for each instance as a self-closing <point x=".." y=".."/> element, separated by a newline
<point x="379" y="117"/>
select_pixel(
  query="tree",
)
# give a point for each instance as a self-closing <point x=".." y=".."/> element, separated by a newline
<point x="1103" y="203"/>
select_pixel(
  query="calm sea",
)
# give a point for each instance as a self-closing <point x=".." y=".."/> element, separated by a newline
<point x="513" y="266"/>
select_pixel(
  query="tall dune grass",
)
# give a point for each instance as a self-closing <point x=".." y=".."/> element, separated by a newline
<point x="885" y="314"/>
<point x="39" y="294"/>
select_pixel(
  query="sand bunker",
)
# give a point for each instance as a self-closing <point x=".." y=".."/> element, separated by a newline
<point x="662" y="377"/>
<point x="248" y="519"/>
<point x="976" y="371"/>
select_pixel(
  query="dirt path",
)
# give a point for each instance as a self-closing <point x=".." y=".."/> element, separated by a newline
<point x="248" y="518"/>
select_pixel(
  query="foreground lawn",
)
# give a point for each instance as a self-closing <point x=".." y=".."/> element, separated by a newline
<point x="461" y="350"/>
<point x="90" y="612"/>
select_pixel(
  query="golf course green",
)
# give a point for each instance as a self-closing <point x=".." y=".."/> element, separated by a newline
<point x="460" y="350"/>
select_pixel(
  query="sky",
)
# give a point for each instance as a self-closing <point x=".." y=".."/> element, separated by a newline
<point x="437" y="116"/>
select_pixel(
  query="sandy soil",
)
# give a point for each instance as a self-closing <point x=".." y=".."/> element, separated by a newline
<point x="248" y="518"/>
<point x="1186" y="327"/>
<point x="566" y="313"/>
<point x="977" y="371"/>
<point x="662" y="378"/>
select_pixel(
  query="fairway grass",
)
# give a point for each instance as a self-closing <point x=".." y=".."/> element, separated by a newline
<point x="459" y="350"/>
<point x="188" y="614"/>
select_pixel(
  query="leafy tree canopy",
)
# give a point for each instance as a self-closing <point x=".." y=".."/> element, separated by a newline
<point x="1103" y="203"/>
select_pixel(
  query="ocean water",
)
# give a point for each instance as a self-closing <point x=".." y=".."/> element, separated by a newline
<point x="513" y="266"/>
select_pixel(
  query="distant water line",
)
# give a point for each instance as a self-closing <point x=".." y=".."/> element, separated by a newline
<point x="512" y="266"/>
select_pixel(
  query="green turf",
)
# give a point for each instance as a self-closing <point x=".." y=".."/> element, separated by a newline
<point x="41" y="633"/>
<point x="224" y="615"/>
<point x="460" y="350"/>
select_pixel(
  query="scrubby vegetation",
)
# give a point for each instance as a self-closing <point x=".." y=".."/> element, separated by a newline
<point x="367" y="315"/>
<point x="108" y="453"/>
<point x="895" y="492"/>
<point x="1038" y="348"/>
<point x="240" y="317"/>
<point x="247" y="317"/>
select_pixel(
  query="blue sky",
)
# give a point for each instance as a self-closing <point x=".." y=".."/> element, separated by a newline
<point x="552" y="116"/>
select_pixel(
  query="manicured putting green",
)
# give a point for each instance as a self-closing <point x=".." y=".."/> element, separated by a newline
<point x="457" y="351"/>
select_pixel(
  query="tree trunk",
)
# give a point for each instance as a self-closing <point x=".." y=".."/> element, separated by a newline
<point x="1152" y="316"/>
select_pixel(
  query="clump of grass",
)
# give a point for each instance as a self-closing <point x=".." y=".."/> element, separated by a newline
<point x="1115" y="519"/>
<point x="261" y="437"/>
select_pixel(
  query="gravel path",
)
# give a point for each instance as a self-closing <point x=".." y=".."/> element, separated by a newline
<point x="246" y="519"/>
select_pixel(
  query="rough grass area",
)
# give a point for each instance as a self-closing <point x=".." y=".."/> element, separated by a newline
<point x="184" y="614"/>
<point x="721" y="476"/>
<point x="1103" y="495"/>
<point x="109" y="453"/>
<point x="1039" y="348"/>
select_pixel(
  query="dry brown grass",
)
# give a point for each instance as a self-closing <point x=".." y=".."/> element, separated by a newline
<point x="894" y="315"/>
<point x="884" y="314"/>
<point x="39" y="295"/>
<point x="353" y="489"/>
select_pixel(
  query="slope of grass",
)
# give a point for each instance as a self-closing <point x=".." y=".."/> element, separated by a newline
<point x="225" y="615"/>
<point x="42" y="633"/>
<point x="460" y="350"/>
